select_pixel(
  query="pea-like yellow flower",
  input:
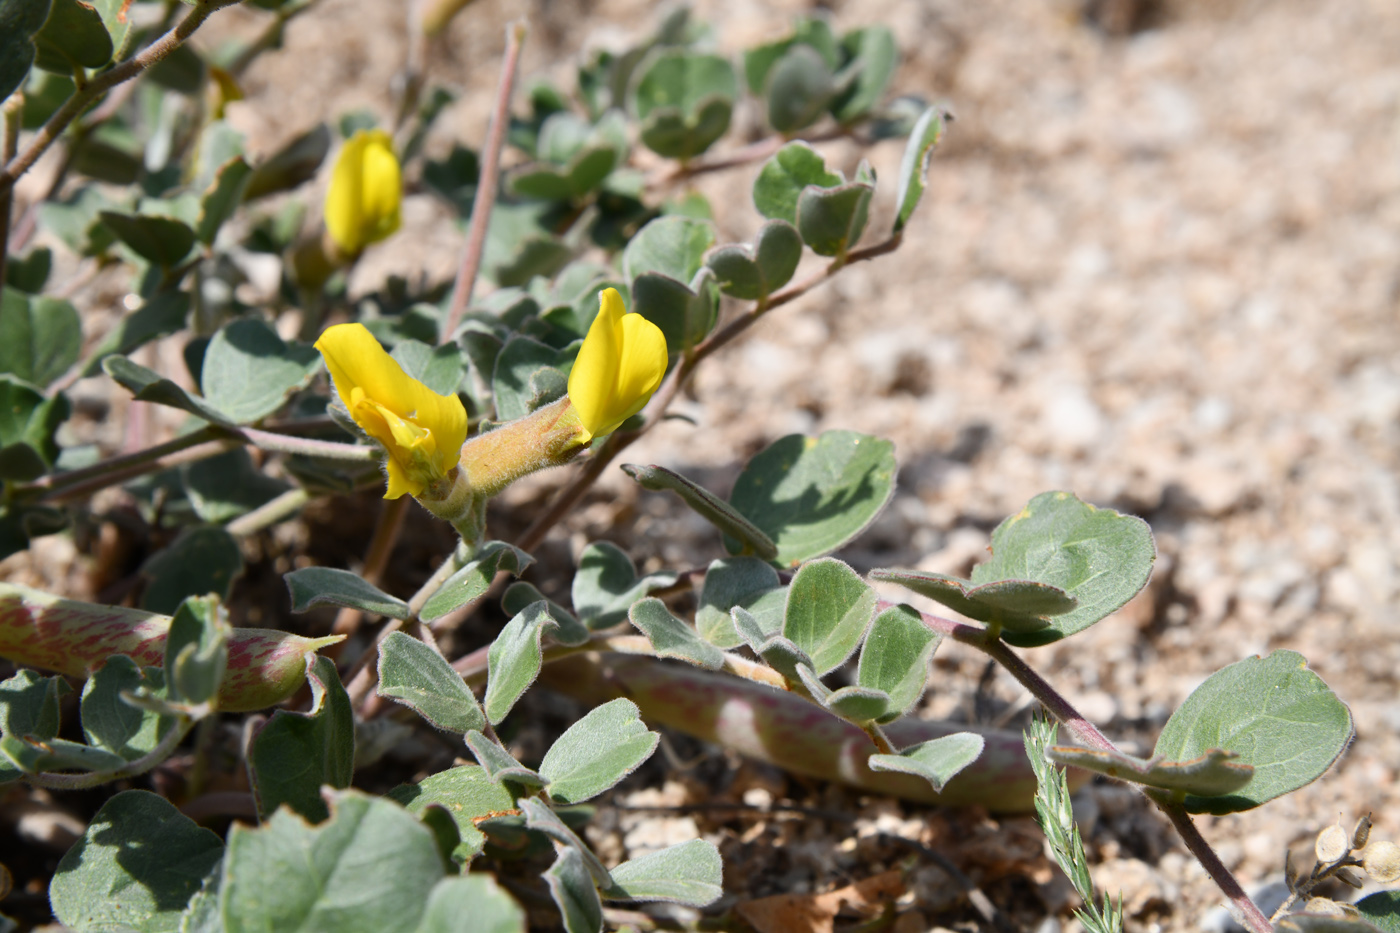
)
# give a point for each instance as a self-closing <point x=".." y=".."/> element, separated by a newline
<point x="422" y="431"/>
<point x="621" y="363"/>
<point x="366" y="192"/>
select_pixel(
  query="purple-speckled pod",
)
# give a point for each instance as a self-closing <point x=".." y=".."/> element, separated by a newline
<point x="74" y="638"/>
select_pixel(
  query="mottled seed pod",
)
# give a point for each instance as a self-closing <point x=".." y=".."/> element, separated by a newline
<point x="1332" y="844"/>
<point x="71" y="637"/>
<point x="1382" y="861"/>
<point x="1361" y="833"/>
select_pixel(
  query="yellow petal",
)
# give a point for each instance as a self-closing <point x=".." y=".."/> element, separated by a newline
<point x="621" y="363"/>
<point x="366" y="192"/>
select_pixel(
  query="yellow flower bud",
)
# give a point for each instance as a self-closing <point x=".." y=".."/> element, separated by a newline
<point x="362" y="204"/>
<point x="621" y="363"/>
<point x="422" y="431"/>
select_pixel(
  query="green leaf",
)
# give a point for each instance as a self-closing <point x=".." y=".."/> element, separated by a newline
<point x="196" y="650"/>
<point x="182" y="71"/>
<point x="1382" y="909"/>
<point x="73" y="37"/>
<point x="32" y="756"/>
<point x="76" y="220"/>
<point x="707" y="505"/>
<point x="1210" y="775"/>
<point x="1278" y="716"/>
<point x="573" y="891"/>
<point x="688" y="873"/>
<point x="136" y="867"/>
<point x="370" y="869"/>
<point x="607" y="585"/>
<point x="149" y="386"/>
<point x="812" y="495"/>
<point x="221" y="199"/>
<point x="249" y="371"/>
<point x="203" y="559"/>
<point x="671" y="246"/>
<point x="20" y="20"/>
<point x="543" y="819"/>
<point x="859" y="705"/>
<point x="111" y="723"/>
<point x="439" y="368"/>
<point x="39" y="337"/>
<point x="684" y="100"/>
<point x="312" y="586"/>
<point x="828" y="610"/>
<point x="228" y="485"/>
<point x="499" y="764"/>
<point x="29" y="273"/>
<point x="471" y="904"/>
<point x="776" y="651"/>
<point x="519" y="596"/>
<point x="913" y="170"/>
<point x="118" y="23"/>
<point x="685" y="314"/>
<point x="164" y="241"/>
<point x="596" y="752"/>
<point x="475" y="578"/>
<point x="936" y="760"/>
<point x="467" y="792"/>
<point x="28" y="421"/>
<point x="291" y="166"/>
<point x="1017" y="607"/>
<point x="421" y="679"/>
<point x="513" y="661"/>
<point x="516" y="365"/>
<point x="757" y="272"/>
<point x="730" y="582"/>
<point x="895" y="658"/>
<point x="29" y="705"/>
<point x="161" y="315"/>
<point x="672" y="638"/>
<point x="295" y="753"/>
<point x="18" y="524"/>
<point x="831" y="220"/>
<point x="784" y="176"/>
<point x="800" y="85"/>
<point x="874" y="56"/>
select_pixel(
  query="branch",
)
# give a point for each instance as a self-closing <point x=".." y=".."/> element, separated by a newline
<point x="48" y="134"/>
<point x="486" y="186"/>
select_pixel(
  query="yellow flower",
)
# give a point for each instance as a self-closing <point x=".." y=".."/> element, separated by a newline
<point x="422" y="431"/>
<point x="362" y="204"/>
<point x="619" y="366"/>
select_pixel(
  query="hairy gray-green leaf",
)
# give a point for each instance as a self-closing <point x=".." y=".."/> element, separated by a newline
<point x="829" y="608"/>
<point x="223" y="487"/>
<point x="203" y="559"/>
<point x="895" y="657"/>
<point x="596" y="752"/>
<point x="29" y="704"/>
<point x="475" y="578"/>
<point x="688" y="873"/>
<point x="518" y="361"/>
<point x="111" y="723"/>
<point x="135" y="868"/>
<point x="28" y="421"/>
<point x="671" y="246"/>
<point x="758" y="271"/>
<point x="707" y="505"/>
<point x="513" y="660"/>
<point x="222" y="198"/>
<point x="39" y="337"/>
<point x="784" y="176"/>
<point x="295" y="753"/>
<point x="20" y="20"/>
<point x="799" y="87"/>
<point x="1016" y="607"/>
<point x="1215" y="773"/>
<point x="421" y="679"/>
<point x="574" y="893"/>
<point x="165" y="241"/>
<point x="672" y="638"/>
<point x="471" y="904"/>
<point x="936" y="760"/>
<point x="607" y="585"/>
<point x="467" y="792"/>
<point x="161" y="315"/>
<point x="249" y="371"/>
<point x="913" y="170"/>
<point x="314" y="586"/>
<point x="1278" y="716"/>
<point x="499" y="764"/>
<point x="812" y="495"/>
<point x="149" y="386"/>
<point x="1382" y="909"/>
<point x="684" y="314"/>
<point x="684" y="101"/>
<point x="438" y="368"/>
<point x="370" y="868"/>
<point x="196" y="650"/>
<point x="729" y="582"/>
<point x="831" y="220"/>
<point x="873" y="53"/>
<point x="73" y="37"/>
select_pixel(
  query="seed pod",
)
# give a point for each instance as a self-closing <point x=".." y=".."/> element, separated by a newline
<point x="1382" y="861"/>
<point x="1361" y="833"/>
<point x="1324" y="906"/>
<point x="1331" y="844"/>
<point x="1349" y="876"/>
<point x="70" y="637"/>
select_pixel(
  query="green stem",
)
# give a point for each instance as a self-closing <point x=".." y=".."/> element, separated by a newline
<point x="146" y="762"/>
<point x="269" y="513"/>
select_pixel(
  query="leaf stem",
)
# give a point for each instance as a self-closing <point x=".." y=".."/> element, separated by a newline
<point x="1242" y="908"/>
<point x="49" y="133"/>
<point x="8" y="145"/>
<point x="269" y="513"/>
<point x="163" y="749"/>
<point x="486" y="186"/>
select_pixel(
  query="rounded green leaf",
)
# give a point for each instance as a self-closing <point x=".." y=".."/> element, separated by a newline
<point x="730" y="582"/>
<point x="684" y="100"/>
<point x="295" y="754"/>
<point x="136" y="867"/>
<point x="812" y="495"/>
<point x="831" y="220"/>
<point x="782" y="178"/>
<point x="39" y="337"/>
<point x="249" y="371"/>
<point x="1274" y="713"/>
<point x="420" y="678"/>
<point x="467" y="792"/>
<point x="828" y="610"/>
<point x="895" y="657"/>
<point x="73" y="36"/>
<point x="475" y="578"/>
<point x="936" y="761"/>
<point x="687" y="873"/>
<point x="758" y="271"/>
<point x="111" y="723"/>
<point x="222" y="197"/>
<point x="672" y="638"/>
<point x="164" y="241"/>
<point x="19" y="21"/>
<point x="607" y="585"/>
<point x="471" y="904"/>
<point x="596" y="752"/>
<point x="673" y="246"/>
<point x="872" y="51"/>
<point x="799" y="87"/>
<point x="203" y="559"/>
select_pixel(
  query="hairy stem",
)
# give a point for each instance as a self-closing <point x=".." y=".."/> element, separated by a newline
<point x="146" y="762"/>
<point x="269" y="513"/>
<point x="486" y="186"/>
<point x="1242" y="908"/>
<point x="49" y="133"/>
